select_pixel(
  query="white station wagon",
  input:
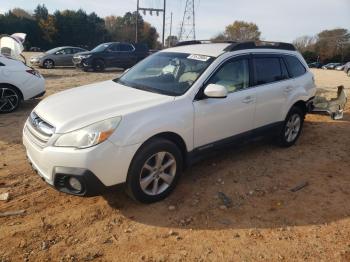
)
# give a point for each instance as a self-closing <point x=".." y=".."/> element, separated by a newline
<point x="145" y="127"/>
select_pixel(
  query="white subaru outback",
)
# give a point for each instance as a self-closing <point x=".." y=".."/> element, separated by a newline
<point x="144" y="127"/>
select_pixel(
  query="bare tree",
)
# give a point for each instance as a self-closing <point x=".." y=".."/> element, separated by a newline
<point x="305" y="43"/>
<point x="240" y="31"/>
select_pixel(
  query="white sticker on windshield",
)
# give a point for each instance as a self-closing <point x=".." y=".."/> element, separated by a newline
<point x="203" y="58"/>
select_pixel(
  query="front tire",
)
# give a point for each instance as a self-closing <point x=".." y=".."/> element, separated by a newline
<point x="292" y="127"/>
<point x="9" y="99"/>
<point x="98" y="65"/>
<point x="48" y="64"/>
<point x="154" y="171"/>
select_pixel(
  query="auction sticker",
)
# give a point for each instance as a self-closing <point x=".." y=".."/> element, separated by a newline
<point x="203" y="58"/>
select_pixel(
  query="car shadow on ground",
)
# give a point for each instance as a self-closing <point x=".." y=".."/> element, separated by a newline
<point x="251" y="186"/>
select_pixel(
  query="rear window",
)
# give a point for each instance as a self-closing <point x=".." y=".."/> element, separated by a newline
<point x="267" y="70"/>
<point x="295" y="67"/>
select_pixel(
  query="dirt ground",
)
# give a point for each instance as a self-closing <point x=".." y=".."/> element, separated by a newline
<point x="265" y="221"/>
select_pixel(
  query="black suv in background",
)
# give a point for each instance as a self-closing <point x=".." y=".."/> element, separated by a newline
<point x="114" y="54"/>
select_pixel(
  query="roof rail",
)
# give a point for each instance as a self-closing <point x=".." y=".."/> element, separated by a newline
<point x="197" y="42"/>
<point x="259" y="44"/>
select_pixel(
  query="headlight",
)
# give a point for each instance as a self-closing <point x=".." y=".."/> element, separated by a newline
<point x="85" y="56"/>
<point x="90" y="135"/>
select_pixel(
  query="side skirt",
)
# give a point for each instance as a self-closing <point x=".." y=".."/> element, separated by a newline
<point x="208" y="150"/>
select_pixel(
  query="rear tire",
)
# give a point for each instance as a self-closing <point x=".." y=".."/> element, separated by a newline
<point x="10" y="99"/>
<point x="98" y="65"/>
<point x="292" y="127"/>
<point x="154" y="171"/>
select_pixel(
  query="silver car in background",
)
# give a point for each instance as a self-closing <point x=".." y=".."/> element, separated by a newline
<point x="59" y="56"/>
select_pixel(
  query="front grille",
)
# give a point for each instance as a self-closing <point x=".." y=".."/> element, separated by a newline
<point x="38" y="130"/>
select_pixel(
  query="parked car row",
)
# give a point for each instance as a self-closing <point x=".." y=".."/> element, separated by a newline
<point x="113" y="54"/>
<point x="332" y="66"/>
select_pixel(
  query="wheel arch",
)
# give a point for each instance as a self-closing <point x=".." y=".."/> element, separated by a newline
<point x="14" y="87"/>
<point x="173" y="137"/>
<point x="300" y="104"/>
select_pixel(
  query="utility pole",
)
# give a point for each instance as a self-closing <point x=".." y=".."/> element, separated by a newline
<point x="163" y="42"/>
<point x="137" y="21"/>
<point x="171" y="29"/>
<point x="151" y="10"/>
<point x="188" y="24"/>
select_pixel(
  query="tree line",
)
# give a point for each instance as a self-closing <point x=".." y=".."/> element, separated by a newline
<point x="327" y="46"/>
<point x="76" y="28"/>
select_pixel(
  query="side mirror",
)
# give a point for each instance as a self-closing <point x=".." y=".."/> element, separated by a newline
<point x="215" y="91"/>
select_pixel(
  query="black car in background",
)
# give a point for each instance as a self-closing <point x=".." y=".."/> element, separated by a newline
<point x="114" y="54"/>
<point x="315" y="65"/>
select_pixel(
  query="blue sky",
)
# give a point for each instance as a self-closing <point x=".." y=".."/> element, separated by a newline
<point x="278" y="20"/>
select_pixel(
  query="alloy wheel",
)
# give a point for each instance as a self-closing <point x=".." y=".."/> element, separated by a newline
<point x="293" y="127"/>
<point x="8" y="100"/>
<point x="157" y="173"/>
<point x="48" y="64"/>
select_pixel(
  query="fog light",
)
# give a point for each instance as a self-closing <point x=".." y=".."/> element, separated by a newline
<point x="75" y="184"/>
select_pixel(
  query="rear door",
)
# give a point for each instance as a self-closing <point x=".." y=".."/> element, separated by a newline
<point x="127" y="55"/>
<point x="273" y="86"/>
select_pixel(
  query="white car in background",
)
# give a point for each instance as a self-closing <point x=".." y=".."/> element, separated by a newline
<point x="17" y="80"/>
<point x="143" y="128"/>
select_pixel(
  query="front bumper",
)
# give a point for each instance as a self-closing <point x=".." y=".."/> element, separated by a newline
<point x="97" y="167"/>
<point x="83" y="63"/>
<point x="35" y="62"/>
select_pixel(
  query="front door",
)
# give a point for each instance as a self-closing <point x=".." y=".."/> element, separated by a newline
<point x="217" y="119"/>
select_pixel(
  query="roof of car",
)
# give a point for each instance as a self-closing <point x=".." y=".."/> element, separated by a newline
<point x="214" y="49"/>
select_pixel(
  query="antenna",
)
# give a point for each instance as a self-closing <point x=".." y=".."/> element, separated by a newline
<point x="188" y="25"/>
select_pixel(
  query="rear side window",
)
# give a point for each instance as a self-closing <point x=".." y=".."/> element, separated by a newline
<point x="267" y="70"/>
<point x="295" y="67"/>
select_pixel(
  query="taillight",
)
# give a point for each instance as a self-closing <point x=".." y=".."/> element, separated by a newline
<point x="33" y="72"/>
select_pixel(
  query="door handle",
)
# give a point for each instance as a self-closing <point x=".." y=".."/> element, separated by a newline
<point x="248" y="100"/>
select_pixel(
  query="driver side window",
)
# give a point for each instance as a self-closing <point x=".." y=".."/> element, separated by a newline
<point x="234" y="75"/>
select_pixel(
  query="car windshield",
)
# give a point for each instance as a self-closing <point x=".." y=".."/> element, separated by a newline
<point x="166" y="73"/>
<point x="100" y="48"/>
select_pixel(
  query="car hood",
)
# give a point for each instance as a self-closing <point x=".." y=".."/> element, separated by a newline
<point x="78" y="107"/>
